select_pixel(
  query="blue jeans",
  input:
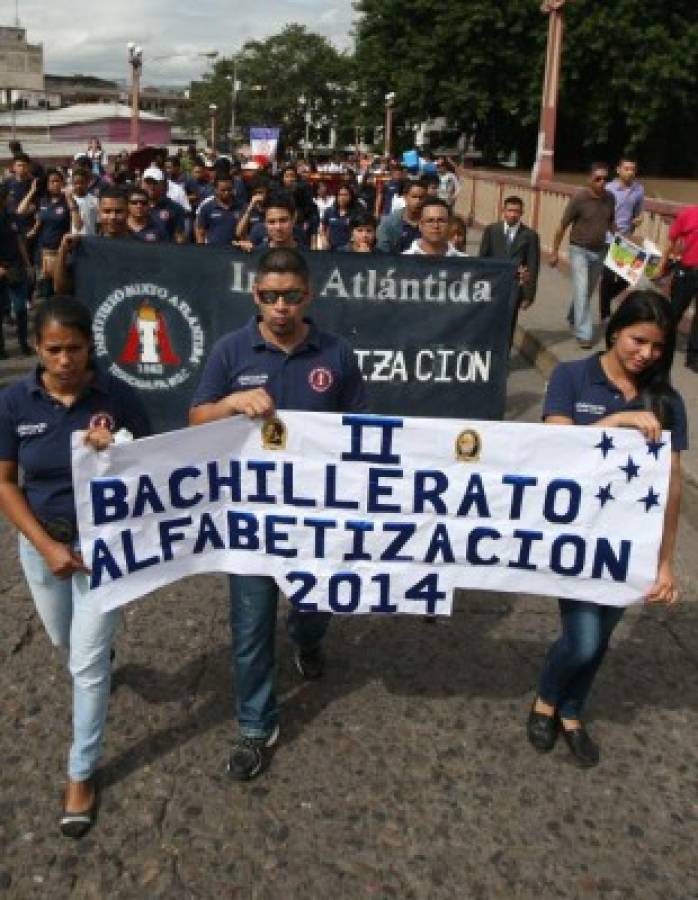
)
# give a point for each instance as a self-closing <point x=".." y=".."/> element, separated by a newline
<point x="585" y="267"/>
<point x="253" y="603"/>
<point x="72" y="621"/>
<point x="573" y="660"/>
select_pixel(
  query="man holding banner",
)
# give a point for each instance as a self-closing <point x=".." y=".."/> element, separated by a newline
<point x="279" y="360"/>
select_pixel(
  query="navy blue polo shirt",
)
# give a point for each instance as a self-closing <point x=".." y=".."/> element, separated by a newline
<point x="321" y="375"/>
<point x="9" y="239"/>
<point x="408" y="234"/>
<point x="200" y="189"/>
<point x="168" y="214"/>
<point x="54" y="222"/>
<point x="218" y="221"/>
<point x="35" y="432"/>
<point x="338" y="227"/>
<point x="581" y="391"/>
<point x="151" y="233"/>
<point x="258" y="234"/>
<point x="17" y="190"/>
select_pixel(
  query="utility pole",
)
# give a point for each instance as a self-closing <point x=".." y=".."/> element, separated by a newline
<point x="544" y="167"/>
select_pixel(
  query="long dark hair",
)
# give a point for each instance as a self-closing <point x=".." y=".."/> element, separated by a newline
<point x="654" y="384"/>
<point x="65" y="311"/>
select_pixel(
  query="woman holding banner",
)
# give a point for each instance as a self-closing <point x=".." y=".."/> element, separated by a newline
<point x="38" y="414"/>
<point x="627" y="386"/>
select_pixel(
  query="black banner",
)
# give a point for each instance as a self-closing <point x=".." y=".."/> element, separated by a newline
<point x="431" y="335"/>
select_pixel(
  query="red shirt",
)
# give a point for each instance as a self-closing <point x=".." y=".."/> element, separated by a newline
<point x="685" y="229"/>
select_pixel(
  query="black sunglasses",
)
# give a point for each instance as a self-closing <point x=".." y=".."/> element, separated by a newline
<point x="293" y="297"/>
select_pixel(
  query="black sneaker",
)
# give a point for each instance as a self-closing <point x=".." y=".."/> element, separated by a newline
<point x="248" y="757"/>
<point x="310" y="662"/>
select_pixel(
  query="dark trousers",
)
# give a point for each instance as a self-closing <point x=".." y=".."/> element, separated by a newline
<point x="610" y="286"/>
<point x="14" y="297"/>
<point x="684" y="289"/>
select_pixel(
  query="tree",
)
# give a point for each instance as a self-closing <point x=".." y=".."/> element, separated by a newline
<point x="627" y="82"/>
<point x="274" y="75"/>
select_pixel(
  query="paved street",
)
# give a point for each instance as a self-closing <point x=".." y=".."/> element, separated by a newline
<point x="404" y="773"/>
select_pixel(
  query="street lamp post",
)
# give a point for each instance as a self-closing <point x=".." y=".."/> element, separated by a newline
<point x="544" y="167"/>
<point x="389" y="102"/>
<point x="212" y="109"/>
<point x="135" y="59"/>
<point x="235" y="85"/>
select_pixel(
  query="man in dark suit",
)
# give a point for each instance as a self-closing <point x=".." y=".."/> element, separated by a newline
<point x="511" y="239"/>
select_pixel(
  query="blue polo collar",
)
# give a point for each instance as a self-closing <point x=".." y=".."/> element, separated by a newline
<point x="99" y="383"/>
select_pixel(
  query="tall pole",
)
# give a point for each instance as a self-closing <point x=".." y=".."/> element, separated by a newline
<point x="135" y="58"/>
<point x="544" y="167"/>
<point x="234" y="104"/>
<point x="389" y="100"/>
<point x="212" y="112"/>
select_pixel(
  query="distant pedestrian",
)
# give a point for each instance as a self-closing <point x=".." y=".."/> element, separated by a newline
<point x="591" y="214"/>
<point x="629" y="196"/>
<point x="683" y="245"/>
<point x="400" y="229"/>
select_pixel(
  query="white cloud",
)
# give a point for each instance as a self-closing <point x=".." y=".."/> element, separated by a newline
<point x="92" y="40"/>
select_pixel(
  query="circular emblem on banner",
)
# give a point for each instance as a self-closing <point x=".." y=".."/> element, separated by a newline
<point x="103" y="420"/>
<point x="320" y="379"/>
<point x="148" y="337"/>
<point x="274" y="434"/>
<point x="468" y="446"/>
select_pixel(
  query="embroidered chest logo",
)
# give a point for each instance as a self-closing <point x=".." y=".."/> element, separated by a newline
<point x="320" y="379"/>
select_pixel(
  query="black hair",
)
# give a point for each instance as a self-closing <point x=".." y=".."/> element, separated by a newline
<point x="141" y="192"/>
<point x="415" y="182"/>
<point x="362" y="217"/>
<point x="344" y="186"/>
<point x="81" y="171"/>
<point x="597" y="165"/>
<point x="54" y="171"/>
<point x="431" y="179"/>
<point x="222" y="176"/>
<point x="65" y="311"/>
<point x="648" y="306"/>
<point x="21" y="157"/>
<point x="173" y="158"/>
<point x="283" y="261"/>
<point x="113" y="192"/>
<point x="436" y="201"/>
<point x="627" y="157"/>
<point x="514" y="201"/>
<point x="280" y="200"/>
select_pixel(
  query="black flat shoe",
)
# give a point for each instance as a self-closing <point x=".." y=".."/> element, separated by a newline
<point x="541" y="730"/>
<point x="585" y="751"/>
<point x="76" y="824"/>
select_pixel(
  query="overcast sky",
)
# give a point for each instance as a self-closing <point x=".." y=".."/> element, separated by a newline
<point x="91" y="38"/>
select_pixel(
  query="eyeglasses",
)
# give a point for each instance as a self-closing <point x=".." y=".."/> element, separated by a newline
<point x="293" y="297"/>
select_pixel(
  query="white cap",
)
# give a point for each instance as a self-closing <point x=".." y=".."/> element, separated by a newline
<point x="153" y="173"/>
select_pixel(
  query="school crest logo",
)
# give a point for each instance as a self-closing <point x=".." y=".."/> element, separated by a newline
<point x="148" y="337"/>
<point x="321" y="379"/>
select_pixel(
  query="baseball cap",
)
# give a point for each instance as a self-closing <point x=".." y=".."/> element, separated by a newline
<point x="153" y="173"/>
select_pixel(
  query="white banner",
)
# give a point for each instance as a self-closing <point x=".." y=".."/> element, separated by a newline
<point x="359" y="514"/>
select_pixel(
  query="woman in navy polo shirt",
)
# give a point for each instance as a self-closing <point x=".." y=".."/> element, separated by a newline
<point x="38" y="414"/>
<point x="56" y="210"/>
<point x="627" y="386"/>
<point x="336" y="222"/>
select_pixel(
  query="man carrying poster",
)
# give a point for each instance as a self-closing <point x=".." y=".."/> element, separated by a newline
<point x="280" y="360"/>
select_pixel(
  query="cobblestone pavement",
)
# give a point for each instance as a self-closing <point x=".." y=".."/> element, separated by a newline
<point x="404" y="773"/>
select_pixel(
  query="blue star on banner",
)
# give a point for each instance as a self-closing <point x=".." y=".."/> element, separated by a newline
<point x="652" y="499"/>
<point x="604" y="495"/>
<point x="653" y="447"/>
<point x="604" y="445"/>
<point x="631" y="469"/>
